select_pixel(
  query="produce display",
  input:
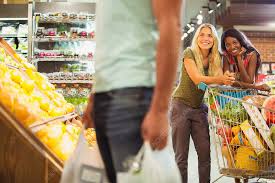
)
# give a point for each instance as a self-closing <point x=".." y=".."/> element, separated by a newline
<point x="64" y="50"/>
<point x="15" y="33"/>
<point x="29" y="97"/>
<point x="268" y="115"/>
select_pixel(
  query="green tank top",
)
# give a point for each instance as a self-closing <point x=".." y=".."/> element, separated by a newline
<point x="186" y="90"/>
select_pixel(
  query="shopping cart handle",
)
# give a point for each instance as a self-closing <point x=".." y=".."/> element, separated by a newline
<point x="202" y="86"/>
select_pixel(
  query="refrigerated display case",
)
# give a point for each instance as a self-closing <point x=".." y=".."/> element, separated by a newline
<point x="63" y="47"/>
<point x="14" y="26"/>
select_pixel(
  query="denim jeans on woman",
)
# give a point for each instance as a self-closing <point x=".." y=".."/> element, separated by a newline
<point x="118" y="115"/>
<point x="186" y="121"/>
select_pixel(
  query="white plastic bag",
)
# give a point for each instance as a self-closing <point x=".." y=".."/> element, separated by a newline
<point x="85" y="165"/>
<point x="152" y="166"/>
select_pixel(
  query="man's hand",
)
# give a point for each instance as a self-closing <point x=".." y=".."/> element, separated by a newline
<point x="88" y="121"/>
<point x="155" y="129"/>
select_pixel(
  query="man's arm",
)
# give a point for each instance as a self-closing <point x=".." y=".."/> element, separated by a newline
<point x="155" y="124"/>
<point x="167" y="14"/>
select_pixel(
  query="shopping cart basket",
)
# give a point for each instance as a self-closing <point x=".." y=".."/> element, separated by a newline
<point x="241" y="133"/>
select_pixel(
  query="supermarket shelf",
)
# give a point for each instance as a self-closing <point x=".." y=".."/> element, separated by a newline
<point x="71" y="81"/>
<point x="60" y="59"/>
<point x="12" y="36"/>
<point x="69" y="21"/>
<point x="14" y="19"/>
<point x="21" y="52"/>
<point x="59" y="39"/>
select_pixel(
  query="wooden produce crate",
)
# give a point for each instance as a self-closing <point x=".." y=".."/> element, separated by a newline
<point x="23" y="157"/>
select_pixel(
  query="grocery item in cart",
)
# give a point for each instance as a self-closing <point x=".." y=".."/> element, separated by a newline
<point x="246" y="158"/>
<point x="259" y="122"/>
<point x="269" y="109"/>
<point x="252" y="137"/>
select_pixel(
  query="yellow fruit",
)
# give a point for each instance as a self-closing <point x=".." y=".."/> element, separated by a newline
<point x="27" y="85"/>
<point x="70" y="108"/>
<point x="16" y="76"/>
<point x="44" y="104"/>
<point x="30" y="73"/>
<point x="6" y="99"/>
<point x="55" y="112"/>
<point x="27" y="65"/>
<point x="57" y="103"/>
<point x="17" y="57"/>
<point x="40" y="77"/>
<point x="21" y="112"/>
<point x="3" y="68"/>
<point x="32" y="118"/>
<point x="235" y="130"/>
<point x="54" y="134"/>
<point x="37" y="97"/>
<point x="65" y="147"/>
<point x="59" y="96"/>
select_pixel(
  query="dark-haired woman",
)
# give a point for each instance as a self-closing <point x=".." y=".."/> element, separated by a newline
<point x="242" y="58"/>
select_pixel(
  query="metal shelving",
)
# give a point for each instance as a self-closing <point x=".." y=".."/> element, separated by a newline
<point x="60" y="59"/>
<point x="13" y="36"/>
<point x="60" y="39"/>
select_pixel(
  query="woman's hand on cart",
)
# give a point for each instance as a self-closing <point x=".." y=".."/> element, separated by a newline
<point x="228" y="78"/>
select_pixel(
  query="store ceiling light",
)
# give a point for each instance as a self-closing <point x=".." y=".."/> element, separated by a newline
<point x="184" y="36"/>
<point x="219" y="4"/>
<point x="199" y="22"/>
<point x="210" y="11"/>
<point x="190" y="30"/>
<point x="199" y="17"/>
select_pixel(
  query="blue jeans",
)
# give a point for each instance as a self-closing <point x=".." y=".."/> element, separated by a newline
<point x="118" y="115"/>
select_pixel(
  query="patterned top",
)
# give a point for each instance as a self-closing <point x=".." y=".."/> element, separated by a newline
<point x="187" y="91"/>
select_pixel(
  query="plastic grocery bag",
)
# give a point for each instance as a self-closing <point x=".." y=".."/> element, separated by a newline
<point x="152" y="166"/>
<point x="85" y="165"/>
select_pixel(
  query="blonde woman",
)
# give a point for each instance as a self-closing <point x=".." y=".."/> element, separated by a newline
<point x="201" y="63"/>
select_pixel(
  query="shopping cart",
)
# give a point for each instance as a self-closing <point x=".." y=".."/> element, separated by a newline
<point x="241" y="129"/>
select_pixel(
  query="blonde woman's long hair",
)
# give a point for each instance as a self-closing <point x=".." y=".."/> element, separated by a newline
<point x="215" y="61"/>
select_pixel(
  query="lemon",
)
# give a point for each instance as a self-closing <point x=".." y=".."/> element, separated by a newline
<point x="16" y="76"/>
<point x="27" y="85"/>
